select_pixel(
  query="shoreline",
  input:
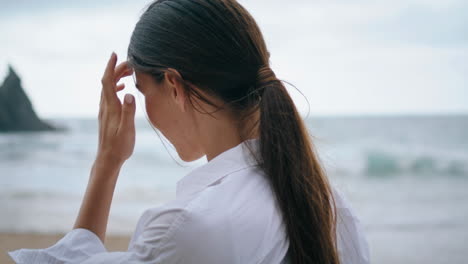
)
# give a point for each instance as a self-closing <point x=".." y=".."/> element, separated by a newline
<point x="13" y="241"/>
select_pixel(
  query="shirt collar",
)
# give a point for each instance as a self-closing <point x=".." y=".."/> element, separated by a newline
<point x="225" y="163"/>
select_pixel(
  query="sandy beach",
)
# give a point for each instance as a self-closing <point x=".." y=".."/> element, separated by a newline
<point x="12" y="241"/>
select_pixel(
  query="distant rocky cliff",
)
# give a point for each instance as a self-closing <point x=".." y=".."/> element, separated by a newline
<point x="16" y="111"/>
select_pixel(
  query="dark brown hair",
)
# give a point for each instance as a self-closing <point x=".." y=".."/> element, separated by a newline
<point x="217" y="46"/>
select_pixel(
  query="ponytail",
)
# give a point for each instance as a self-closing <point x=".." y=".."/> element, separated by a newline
<point x="296" y="176"/>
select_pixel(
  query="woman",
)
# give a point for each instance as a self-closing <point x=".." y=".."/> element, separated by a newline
<point x="263" y="197"/>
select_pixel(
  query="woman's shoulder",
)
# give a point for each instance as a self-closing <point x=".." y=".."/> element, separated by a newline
<point x="229" y="216"/>
<point x="245" y="190"/>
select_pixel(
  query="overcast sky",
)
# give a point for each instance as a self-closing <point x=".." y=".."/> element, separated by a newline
<point x="347" y="57"/>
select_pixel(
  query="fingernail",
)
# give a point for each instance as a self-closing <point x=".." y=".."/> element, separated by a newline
<point x="128" y="98"/>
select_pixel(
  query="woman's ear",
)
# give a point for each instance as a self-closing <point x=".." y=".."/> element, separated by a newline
<point x="176" y="87"/>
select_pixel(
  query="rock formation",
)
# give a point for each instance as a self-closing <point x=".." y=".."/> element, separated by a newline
<point x="16" y="110"/>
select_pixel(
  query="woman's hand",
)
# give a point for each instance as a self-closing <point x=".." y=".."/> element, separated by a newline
<point x="116" y="120"/>
<point x="116" y="143"/>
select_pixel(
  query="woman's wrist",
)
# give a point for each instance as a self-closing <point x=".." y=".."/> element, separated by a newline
<point x="105" y="172"/>
<point x="107" y="161"/>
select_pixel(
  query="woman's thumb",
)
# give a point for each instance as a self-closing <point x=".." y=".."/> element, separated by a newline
<point x="128" y="111"/>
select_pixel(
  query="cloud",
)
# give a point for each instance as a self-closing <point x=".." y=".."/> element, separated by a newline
<point x="371" y="56"/>
<point x="425" y="25"/>
<point x="346" y="57"/>
<point x="27" y="7"/>
<point x="60" y="55"/>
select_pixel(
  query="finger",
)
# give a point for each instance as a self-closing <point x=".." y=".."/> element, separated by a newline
<point x="121" y="69"/>
<point x="100" y="115"/>
<point x="101" y="98"/>
<point x="120" y="87"/>
<point x="110" y="67"/>
<point x="125" y="73"/>
<point x="108" y="77"/>
<point x="128" y="113"/>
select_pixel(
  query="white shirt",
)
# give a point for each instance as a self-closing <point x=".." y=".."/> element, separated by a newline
<point x="224" y="212"/>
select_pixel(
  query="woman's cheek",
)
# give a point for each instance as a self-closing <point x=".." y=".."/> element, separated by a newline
<point x="152" y="112"/>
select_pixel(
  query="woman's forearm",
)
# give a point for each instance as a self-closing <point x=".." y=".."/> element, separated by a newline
<point x="97" y="200"/>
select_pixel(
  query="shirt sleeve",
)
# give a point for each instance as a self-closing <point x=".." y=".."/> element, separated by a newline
<point x="353" y="247"/>
<point x="151" y="245"/>
<point x="77" y="246"/>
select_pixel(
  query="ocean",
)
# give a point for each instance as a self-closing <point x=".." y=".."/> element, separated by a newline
<point x="405" y="176"/>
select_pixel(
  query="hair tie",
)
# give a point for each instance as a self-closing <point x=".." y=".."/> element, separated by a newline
<point x="265" y="77"/>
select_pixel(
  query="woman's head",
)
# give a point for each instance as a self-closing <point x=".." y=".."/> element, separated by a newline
<point x="194" y="57"/>
<point x="197" y="59"/>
